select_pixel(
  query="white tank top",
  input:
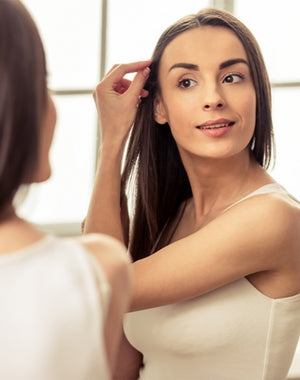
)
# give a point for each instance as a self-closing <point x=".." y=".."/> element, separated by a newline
<point x="232" y="333"/>
<point x="54" y="299"/>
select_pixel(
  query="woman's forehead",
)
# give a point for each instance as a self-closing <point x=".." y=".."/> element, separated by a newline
<point x="203" y="44"/>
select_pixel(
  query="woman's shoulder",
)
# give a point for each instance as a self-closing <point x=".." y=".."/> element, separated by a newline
<point x="103" y="247"/>
<point x="270" y="191"/>
<point x="275" y="218"/>
<point x="110" y="254"/>
<point x="271" y="217"/>
<point x="271" y="200"/>
<point x="275" y="202"/>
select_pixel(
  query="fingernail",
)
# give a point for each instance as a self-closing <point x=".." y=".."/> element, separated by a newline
<point x="146" y="72"/>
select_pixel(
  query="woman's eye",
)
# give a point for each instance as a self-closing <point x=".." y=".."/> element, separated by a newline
<point x="233" y="78"/>
<point x="186" y="83"/>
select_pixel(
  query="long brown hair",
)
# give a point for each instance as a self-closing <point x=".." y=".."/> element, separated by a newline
<point x="23" y="94"/>
<point x="153" y="162"/>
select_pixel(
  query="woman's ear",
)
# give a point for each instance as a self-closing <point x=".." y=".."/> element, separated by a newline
<point x="160" y="114"/>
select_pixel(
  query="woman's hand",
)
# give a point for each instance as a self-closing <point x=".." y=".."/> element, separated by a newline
<point x="117" y="99"/>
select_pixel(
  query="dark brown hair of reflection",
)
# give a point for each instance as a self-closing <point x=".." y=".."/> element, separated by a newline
<point x="23" y="96"/>
<point x="153" y="163"/>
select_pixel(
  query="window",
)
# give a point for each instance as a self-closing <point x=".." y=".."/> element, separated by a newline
<point x="71" y="35"/>
<point x="134" y="37"/>
<point x="277" y="33"/>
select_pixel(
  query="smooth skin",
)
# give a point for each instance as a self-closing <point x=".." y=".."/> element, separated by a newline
<point x="204" y="77"/>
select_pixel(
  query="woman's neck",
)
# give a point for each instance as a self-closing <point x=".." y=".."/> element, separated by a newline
<point x="15" y="232"/>
<point x="218" y="183"/>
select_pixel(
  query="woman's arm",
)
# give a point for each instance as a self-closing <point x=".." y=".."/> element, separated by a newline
<point x="117" y="99"/>
<point x="258" y="235"/>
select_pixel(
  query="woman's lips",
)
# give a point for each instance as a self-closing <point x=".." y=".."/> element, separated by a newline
<point x="215" y="124"/>
<point x="216" y="128"/>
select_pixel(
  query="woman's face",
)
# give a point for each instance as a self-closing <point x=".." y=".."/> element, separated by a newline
<point x="48" y="127"/>
<point x="207" y="94"/>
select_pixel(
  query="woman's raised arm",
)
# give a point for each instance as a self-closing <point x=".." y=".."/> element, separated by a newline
<point x="116" y="99"/>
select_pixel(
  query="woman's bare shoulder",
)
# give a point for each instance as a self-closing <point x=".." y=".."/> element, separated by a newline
<point x="109" y="252"/>
<point x="271" y="209"/>
<point x="277" y="219"/>
<point x="276" y="216"/>
<point x="95" y="241"/>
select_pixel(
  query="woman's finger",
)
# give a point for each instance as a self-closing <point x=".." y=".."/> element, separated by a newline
<point x="136" y="86"/>
<point x="118" y="72"/>
<point x="122" y="85"/>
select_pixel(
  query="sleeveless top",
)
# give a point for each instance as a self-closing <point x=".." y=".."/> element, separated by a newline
<point x="232" y="333"/>
<point x="54" y="298"/>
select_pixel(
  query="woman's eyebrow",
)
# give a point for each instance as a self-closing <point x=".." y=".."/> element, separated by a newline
<point x="223" y="65"/>
<point x="231" y="62"/>
<point x="182" y="65"/>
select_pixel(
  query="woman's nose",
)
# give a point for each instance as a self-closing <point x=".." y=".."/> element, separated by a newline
<point x="211" y="105"/>
<point x="212" y="99"/>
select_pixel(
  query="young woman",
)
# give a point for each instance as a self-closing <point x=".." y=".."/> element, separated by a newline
<point x="214" y="239"/>
<point x="62" y="300"/>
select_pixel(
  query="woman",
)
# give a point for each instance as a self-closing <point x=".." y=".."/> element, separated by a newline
<point x="62" y="300"/>
<point x="214" y="239"/>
